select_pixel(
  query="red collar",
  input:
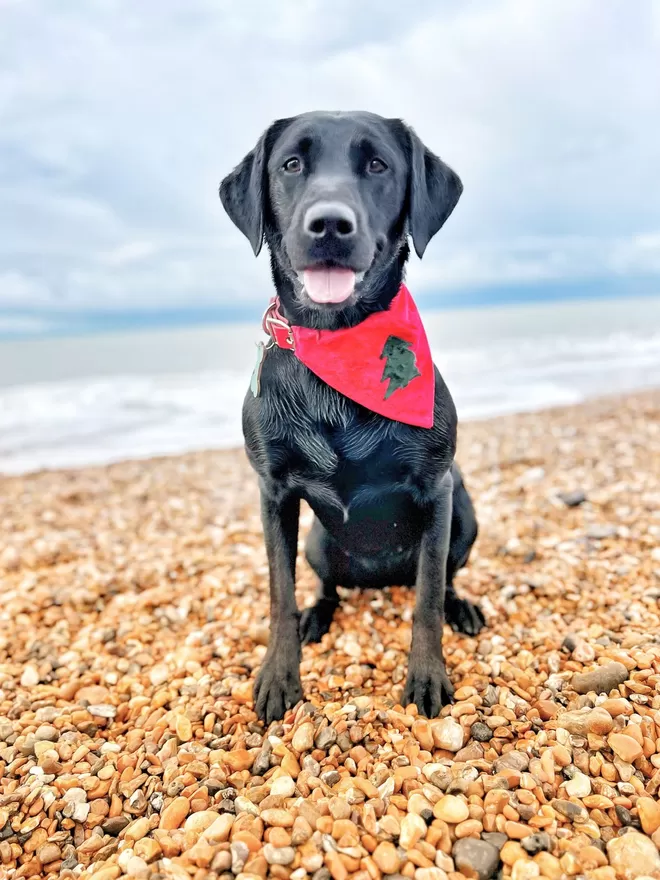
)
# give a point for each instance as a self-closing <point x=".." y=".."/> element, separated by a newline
<point x="384" y="363"/>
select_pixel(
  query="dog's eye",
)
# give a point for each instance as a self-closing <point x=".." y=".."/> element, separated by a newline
<point x="292" y="165"/>
<point x="377" y="166"/>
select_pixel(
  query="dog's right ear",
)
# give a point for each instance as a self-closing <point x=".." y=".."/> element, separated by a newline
<point x="244" y="192"/>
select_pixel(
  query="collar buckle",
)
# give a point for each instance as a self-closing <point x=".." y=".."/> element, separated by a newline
<point x="277" y="327"/>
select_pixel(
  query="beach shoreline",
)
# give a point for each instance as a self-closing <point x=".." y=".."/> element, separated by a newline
<point x="134" y="615"/>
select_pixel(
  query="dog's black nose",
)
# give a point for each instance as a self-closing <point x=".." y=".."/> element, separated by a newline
<point x="330" y="219"/>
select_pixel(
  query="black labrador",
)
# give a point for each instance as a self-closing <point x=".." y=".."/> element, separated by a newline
<point x="339" y="193"/>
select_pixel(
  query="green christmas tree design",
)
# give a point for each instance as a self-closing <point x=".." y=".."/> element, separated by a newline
<point x="400" y="365"/>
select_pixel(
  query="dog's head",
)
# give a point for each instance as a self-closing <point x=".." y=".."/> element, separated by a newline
<point x="335" y="196"/>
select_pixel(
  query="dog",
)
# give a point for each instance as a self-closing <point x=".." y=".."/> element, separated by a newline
<point x="336" y="197"/>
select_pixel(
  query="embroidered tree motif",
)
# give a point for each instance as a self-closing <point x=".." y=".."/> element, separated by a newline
<point x="400" y="366"/>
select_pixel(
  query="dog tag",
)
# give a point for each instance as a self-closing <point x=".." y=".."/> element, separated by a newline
<point x="255" y="381"/>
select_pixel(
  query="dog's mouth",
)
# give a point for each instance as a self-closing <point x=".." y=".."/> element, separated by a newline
<point x="327" y="285"/>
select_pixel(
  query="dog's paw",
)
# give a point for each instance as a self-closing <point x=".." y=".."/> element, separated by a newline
<point x="463" y="616"/>
<point x="428" y="686"/>
<point x="277" y="687"/>
<point x="315" y="621"/>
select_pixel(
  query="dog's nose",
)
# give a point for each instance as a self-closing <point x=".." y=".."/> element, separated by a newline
<point x="330" y="219"/>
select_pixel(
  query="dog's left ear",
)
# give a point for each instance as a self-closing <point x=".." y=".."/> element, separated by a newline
<point x="244" y="192"/>
<point x="433" y="191"/>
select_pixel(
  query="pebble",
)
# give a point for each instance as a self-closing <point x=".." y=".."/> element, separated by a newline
<point x="303" y="738"/>
<point x="138" y="750"/>
<point x="602" y="680"/>
<point x="448" y="734"/>
<point x="283" y="786"/>
<point x="174" y="814"/>
<point x="30" y="677"/>
<point x="451" y="809"/>
<point x="625" y="747"/>
<point x="578" y="786"/>
<point x="278" y="855"/>
<point x="649" y="814"/>
<point x="585" y="721"/>
<point x="413" y="828"/>
<point x="481" y="732"/>
<point x="387" y="858"/>
<point x="49" y="852"/>
<point x="633" y="856"/>
<point x="476" y="858"/>
<point x="573" y="498"/>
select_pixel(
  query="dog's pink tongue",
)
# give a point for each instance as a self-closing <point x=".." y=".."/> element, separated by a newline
<point x="329" y="285"/>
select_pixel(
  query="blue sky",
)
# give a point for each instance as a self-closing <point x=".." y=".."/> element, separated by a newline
<point x="118" y="119"/>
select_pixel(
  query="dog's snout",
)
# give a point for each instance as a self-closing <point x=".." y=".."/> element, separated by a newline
<point x="332" y="219"/>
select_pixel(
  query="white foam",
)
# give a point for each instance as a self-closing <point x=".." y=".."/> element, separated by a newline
<point x="110" y="416"/>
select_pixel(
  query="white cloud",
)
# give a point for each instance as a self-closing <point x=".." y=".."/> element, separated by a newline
<point x="118" y="120"/>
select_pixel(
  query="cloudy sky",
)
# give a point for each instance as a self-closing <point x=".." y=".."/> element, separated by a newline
<point x="118" y="119"/>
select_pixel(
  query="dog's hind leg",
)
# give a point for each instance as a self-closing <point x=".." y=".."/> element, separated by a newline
<point x="463" y="616"/>
<point x="315" y="621"/>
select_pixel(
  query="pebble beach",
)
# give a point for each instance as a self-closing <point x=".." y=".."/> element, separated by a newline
<point x="133" y="617"/>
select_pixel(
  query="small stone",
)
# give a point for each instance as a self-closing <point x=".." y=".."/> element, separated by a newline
<point x="481" y="732"/>
<point x="584" y="721"/>
<point x="200" y="821"/>
<point x="115" y="825"/>
<point x="387" y="858"/>
<point x="601" y="681"/>
<point x="573" y="498"/>
<point x="92" y="694"/>
<point x="30" y="677"/>
<point x="148" y="849"/>
<point x="136" y="866"/>
<point x="238" y="759"/>
<point x="239" y="856"/>
<point x="497" y="838"/>
<point x="512" y="852"/>
<point x="218" y="832"/>
<point x="451" y="809"/>
<point x="474" y="751"/>
<point x="46" y="733"/>
<point x="423" y="733"/>
<point x="583" y="652"/>
<point x="325" y="738"/>
<point x="633" y="855"/>
<point x="549" y="866"/>
<point x="278" y="818"/>
<point x="303" y="738"/>
<point x="568" y="809"/>
<point x="430" y="874"/>
<point x="476" y="858"/>
<point x="301" y="831"/>
<point x="578" y="786"/>
<point x="183" y="728"/>
<point x="513" y="760"/>
<point x="278" y="855"/>
<point x="283" y="786"/>
<point x="448" y="734"/>
<point x="625" y="747"/>
<point x="536" y="843"/>
<point x="49" y="852"/>
<point x="336" y="868"/>
<point x="174" y="814"/>
<point x="649" y="814"/>
<point x="413" y="828"/>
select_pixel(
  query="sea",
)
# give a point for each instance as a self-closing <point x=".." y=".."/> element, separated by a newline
<point x="87" y="400"/>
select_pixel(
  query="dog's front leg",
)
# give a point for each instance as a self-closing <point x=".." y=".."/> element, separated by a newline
<point x="428" y="684"/>
<point x="278" y="686"/>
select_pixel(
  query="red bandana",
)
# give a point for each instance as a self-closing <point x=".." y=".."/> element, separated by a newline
<point x="384" y="363"/>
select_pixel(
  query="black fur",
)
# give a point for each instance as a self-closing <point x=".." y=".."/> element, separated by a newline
<point x="390" y="504"/>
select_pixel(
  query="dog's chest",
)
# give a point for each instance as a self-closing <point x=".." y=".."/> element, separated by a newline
<point x="344" y="460"/>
